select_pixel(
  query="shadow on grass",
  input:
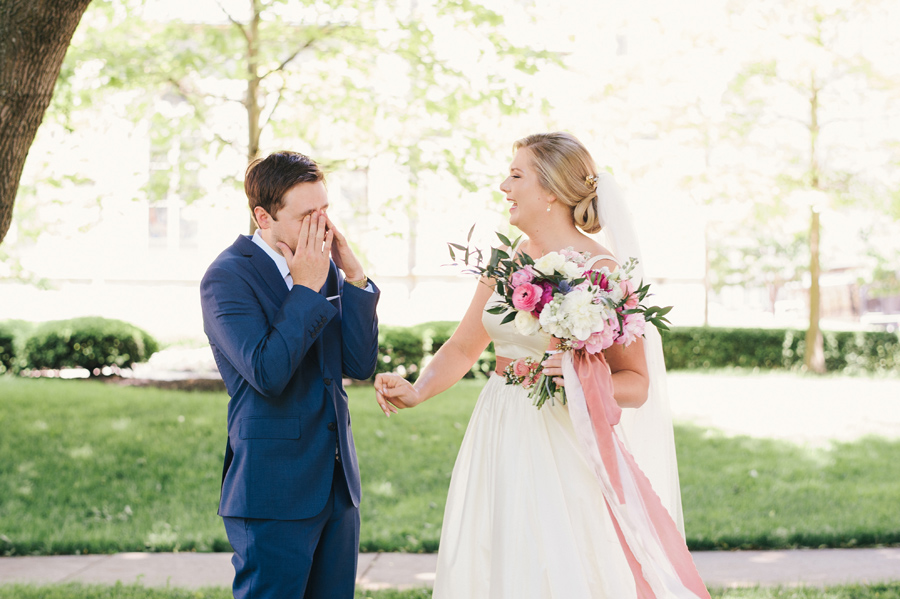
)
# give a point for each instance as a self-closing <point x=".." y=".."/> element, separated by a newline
<point x="747" y="493"/>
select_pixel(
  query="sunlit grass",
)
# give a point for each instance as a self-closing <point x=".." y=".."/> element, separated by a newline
<point x="131" y="591"/>
<point x="120" y="591"/>
<point x="94" y="468"/>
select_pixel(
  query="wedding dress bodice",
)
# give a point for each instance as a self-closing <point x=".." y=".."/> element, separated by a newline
<point x="508" y="341"/>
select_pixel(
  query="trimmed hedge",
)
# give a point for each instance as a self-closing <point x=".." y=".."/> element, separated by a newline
<point x="90" y="342"/>
<point x="13" y="334"/>
<point x="405" y="350"/>
<point x="7" y="349"/>
<point x="845" y="351"/>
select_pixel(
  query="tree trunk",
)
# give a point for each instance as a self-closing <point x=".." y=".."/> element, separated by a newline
<point x="34" y="37"/>
<point x="251" y="102"/>
<point x="814" y="356"/>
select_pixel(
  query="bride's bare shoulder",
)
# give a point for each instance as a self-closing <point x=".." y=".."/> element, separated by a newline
<point x="600" y="256"/>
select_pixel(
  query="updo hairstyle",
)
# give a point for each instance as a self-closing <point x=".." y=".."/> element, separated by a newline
<point x="566" y="170"/>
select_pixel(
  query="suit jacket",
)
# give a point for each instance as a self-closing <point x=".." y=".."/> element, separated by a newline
<point x="282" y="355"/>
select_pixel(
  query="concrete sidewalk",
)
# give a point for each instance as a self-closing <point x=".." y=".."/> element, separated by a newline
<point x="814" y="567"/>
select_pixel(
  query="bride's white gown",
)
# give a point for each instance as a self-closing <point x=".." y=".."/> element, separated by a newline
<point x="525" y="515"/>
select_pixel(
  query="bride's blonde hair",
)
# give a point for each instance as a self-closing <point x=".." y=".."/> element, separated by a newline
<point x="566" y="169"/>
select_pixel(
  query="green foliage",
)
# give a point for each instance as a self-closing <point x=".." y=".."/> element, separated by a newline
<point x="13" y="334"/>
<point x="848" y="352"/>
<point x="90" y="342"/>
<point x="406" y="350"/>
<point x="7" y="349"/>
<point x="400" y="350"/>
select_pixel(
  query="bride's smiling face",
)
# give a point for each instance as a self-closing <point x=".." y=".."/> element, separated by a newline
<point x="528" y="200"/>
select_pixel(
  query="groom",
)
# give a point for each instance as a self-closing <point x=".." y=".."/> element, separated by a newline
<point x="285" y="325"/>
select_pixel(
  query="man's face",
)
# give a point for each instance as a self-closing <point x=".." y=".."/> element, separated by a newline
<point x="299" y="201"/>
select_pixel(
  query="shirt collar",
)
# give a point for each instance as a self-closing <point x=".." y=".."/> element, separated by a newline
<point x="276" y="257"/>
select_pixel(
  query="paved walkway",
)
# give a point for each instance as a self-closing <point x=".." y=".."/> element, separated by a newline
<point x="817" y="567"/>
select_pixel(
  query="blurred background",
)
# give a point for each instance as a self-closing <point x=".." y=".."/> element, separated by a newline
<point x="757" y="141"/>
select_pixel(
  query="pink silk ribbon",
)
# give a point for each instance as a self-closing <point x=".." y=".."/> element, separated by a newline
<point x="643" y="557"/>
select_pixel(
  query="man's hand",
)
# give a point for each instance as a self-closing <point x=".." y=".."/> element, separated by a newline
<point x="310" y="263"/>
<point x="394" y="392"/>
<point x="343" y="256"/>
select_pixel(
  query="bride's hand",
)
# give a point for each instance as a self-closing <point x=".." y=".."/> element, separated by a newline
<point x="553" y="367"/>
<point x="393" y="392"/>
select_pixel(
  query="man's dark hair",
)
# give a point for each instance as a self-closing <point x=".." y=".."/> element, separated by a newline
<point x="268" y="179"/>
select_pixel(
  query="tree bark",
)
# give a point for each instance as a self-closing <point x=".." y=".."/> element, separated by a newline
<point x="34" y="37"/>
<point x="251" y="101"/>
<point x="814" y="358"/>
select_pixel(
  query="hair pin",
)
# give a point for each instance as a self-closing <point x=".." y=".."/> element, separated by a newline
<point x="591" y="181"/>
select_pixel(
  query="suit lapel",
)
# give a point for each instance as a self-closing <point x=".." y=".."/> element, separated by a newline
<point x="266" y="268"/>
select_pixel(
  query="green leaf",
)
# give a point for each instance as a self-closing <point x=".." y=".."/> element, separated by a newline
<point x="508" y="318"/>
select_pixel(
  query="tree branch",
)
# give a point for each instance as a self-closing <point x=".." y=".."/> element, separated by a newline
<point x="324" y="30"/>
<point x="234" y="21"/>
<point x="275" y="106"/>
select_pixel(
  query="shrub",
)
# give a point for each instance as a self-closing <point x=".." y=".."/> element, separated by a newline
<point x="406" y="350"/>
<point x="91" y="342"/>
<point x="13" y="334"/>
<point x="708" y="347"/>
<point x="7" y="349"/>
<point x="400" y="350"/>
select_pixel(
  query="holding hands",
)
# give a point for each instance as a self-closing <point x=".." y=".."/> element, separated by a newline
<point x="393" y="393"/>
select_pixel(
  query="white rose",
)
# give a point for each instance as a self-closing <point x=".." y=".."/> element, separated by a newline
<point x="526" y="324"/>
<point x="616" y="295"/>
<point x="572" y="271"/>
<point x="549" y="263"/>
<point x="551" y="320"/>
<point x="581" y="314"/>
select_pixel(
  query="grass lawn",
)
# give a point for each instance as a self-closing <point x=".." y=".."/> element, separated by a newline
<point x="77" y="591"/>
<point x="94" y="468"/>
<point x="120" y="591"/>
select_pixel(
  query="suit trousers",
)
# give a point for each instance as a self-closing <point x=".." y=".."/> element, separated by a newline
<point x="314" y="558"/>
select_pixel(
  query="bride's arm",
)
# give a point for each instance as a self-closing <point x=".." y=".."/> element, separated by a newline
<point x="451" y="362"/>
<point x="629" y="373"/>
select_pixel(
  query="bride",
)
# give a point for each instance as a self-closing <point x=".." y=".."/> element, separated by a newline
<point x="539" y="506"/>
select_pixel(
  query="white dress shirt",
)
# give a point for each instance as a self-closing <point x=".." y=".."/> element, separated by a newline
<point x="282" y="264"/>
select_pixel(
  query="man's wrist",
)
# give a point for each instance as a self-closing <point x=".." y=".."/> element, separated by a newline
<point x="359" y="282"/>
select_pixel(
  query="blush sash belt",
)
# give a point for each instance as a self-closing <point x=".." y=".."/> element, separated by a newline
<point x="502" y="363"/>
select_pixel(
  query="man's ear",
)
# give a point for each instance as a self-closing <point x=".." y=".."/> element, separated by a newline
<point x="263" y="219"/>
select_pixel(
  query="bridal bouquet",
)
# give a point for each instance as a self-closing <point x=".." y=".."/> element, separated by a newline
<point x="582" y="309"/>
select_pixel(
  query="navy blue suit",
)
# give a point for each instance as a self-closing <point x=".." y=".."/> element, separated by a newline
<point x="282" y="354"/>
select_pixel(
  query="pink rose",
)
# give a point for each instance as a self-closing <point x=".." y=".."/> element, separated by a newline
<point x="634" y="328"/>
<point x="526" y="296"/>
<point x="601" y="340"/>
<point x="597" y="278"/>
<point x="546" y="296"/>
<point x="520" y="368"/>
<point x="525" y="275"/>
